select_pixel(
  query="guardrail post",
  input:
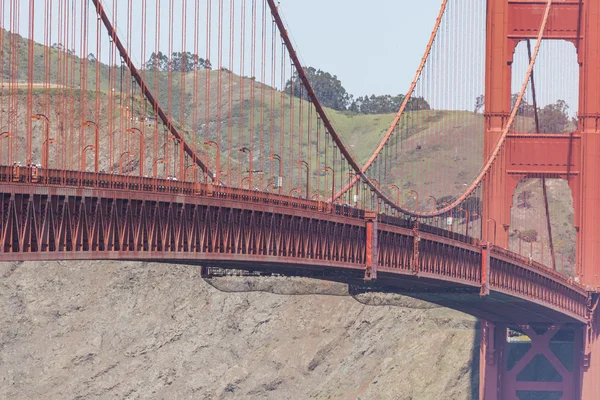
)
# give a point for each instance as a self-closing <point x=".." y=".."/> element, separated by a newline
<point x="371" y="246"/>
<point x="485" y="269"/>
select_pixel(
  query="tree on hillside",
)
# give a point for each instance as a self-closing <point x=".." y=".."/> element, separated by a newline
<point x="525" y="109"/>
<point x="179" y="62"/>
<point x="327" y="87"/>
<point x="187" y="61"/>
<point x="479" y="103"/>
<point x="554" y="118"/>
<point x="386" y="104"/>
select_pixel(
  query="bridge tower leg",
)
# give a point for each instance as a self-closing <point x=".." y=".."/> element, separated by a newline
<point x="590" y="356"/>
<point x="587" y="209"/>
<point x="497" y="192"/>
<point x="545" y="362"/>
<point x="508" y="22"/>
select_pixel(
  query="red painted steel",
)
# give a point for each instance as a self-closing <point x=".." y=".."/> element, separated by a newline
<point x="76" y="215"/>
<point x="574" y="157"/>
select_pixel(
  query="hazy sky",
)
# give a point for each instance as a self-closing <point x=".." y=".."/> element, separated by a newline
<point x="374" y="47"/>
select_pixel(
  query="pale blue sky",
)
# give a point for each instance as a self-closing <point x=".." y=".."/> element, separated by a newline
<point x="374" y="47"/>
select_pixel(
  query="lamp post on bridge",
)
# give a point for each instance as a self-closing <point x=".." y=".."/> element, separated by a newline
<point x="216" y="178"/>
<point x="96" y="145"/>
<point x="125" y="154"/>
<point x="46" y="150"/>
<point x="2" y="136"/>
<point x="326" y="169"/>
<point x="397" y="192"/>
<point x="518" y="232"/>
<point x="301" y="163"/>
<point x="435" y="219"/>
<point x="467" y="218"/>
<point x="450" y="218"/>
<point x="181" y="156"/>
<point x="416" y="199"/>
<point x="245" y="178"/>
<point x="84" y="158"/>
<point x="155" y="165"/>
<point x="295" y="190"/>
<point x="246" y="150"/>
<point x="474" y="215"/>
<point x="356" y="195"/>
<point x="530" y="241"/>
<point x="194" y="168"/>
<point x="46" y="138"/>
<point x="142" y="145"/>
<point x="279" y="182"/>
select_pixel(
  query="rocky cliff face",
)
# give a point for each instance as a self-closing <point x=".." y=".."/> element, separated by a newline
<point x="84" y="330"/>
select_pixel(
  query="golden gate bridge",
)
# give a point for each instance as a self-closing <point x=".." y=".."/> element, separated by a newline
<point x="219" y="153"/>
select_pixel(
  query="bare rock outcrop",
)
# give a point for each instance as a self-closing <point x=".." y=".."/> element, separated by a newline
<point x="87" y="330"/>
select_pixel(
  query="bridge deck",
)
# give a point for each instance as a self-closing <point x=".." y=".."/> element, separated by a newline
<point x="67" y="215"/>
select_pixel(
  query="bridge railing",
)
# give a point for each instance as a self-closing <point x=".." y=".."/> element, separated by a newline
<point x="76" y="179"/>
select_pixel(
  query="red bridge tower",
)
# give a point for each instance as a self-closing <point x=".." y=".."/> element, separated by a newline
<point x="574" y="157"/>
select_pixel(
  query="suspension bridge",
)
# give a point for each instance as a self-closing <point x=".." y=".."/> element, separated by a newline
<point x="189" y="132"/>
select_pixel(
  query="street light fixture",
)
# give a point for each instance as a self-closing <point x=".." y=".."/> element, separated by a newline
<point x="279" y="180"/>
<point x="2" y="136"/>
<point x="125" y="154"/>
<point x="96" y="145"/>
<point x="301" y="163"/>
<point x="216" y="178"/>
<point x="518" y="232"/>
<point x="530" y="240"/>
<point x="249" y="152"/>
<point x="397" y="191"/>
<point x="357" y="175"/>
<point x="325" y="169"/>
<point x="193" y="167"/>
<point x="181" y="155"/>
<point x="467" y="217"/>
<point x="46" y="138"/>
<point x="154" y="166"/>
<point x="450" y="219"/>
<point x="416" y="199"/>
<point x="142" y="145"/>
<point x="435" y="219"/>
<point x="83" y="156"/>
<point x="46" y="150"/>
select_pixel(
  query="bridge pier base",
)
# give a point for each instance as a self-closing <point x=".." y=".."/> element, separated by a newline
<point x="590" y="357"/>
<point x="490" y="360"/>
<point x="535" y="361"/>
